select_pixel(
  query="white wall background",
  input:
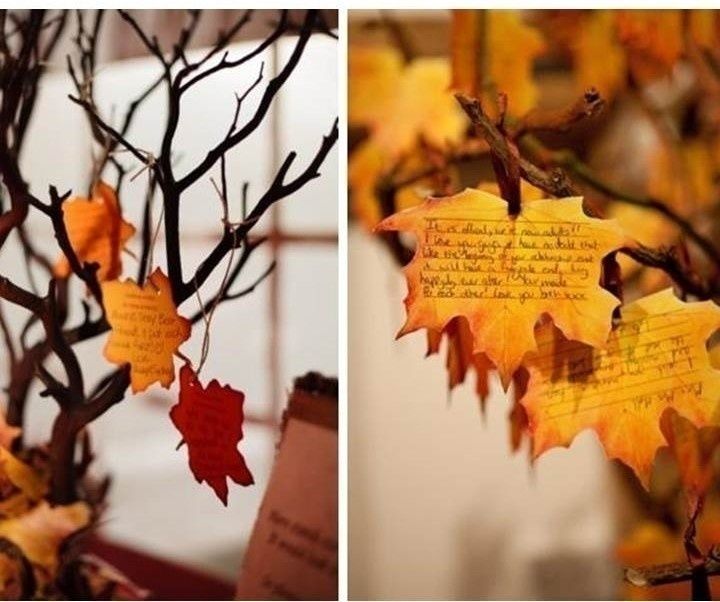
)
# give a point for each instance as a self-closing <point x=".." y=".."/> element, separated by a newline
<point x="439" y="508"/>
<point x="155" y="503"/>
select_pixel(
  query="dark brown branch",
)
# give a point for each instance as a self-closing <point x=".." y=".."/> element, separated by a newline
<point x="587" y="106"/>
<point x="277" y="191"/>
<point x="252" y="124"/>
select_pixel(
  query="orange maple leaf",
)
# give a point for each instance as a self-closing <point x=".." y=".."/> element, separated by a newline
<point x="654" y="359"/>
<point x="694" y="450"/>
<point x="502" y="274"/>
<point x="96" y="231"/>
<point x="146" y="329"/>
<point x="460" y="357"/>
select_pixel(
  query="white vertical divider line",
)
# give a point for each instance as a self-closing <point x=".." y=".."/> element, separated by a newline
<point x="342" y="49"/>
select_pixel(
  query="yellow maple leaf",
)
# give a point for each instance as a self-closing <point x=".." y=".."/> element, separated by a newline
<point x="460" y="356"/>
<point x="654" y="359"/>
<point x="513" y="48"/>
<point x="146" y="329"/>
<point x="480" y="41"/>
<point x="40" y="532"/>
<point x="96" y="231"/>
<point x="502" y="274"/>
<point x="373" y="75"/>
<point x="421" y="106"/>
<point x="598" y="56"/>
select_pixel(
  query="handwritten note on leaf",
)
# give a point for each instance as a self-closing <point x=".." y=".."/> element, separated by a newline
<point x="146" y="329"/>
<point x="655" y="359"/>
<point x="97" y="232"/>
<point x="502" y="274"/>
<point x="210" y="420"/>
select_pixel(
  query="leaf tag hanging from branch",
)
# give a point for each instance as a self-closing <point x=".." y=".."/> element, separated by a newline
<point x="210" y="420"/>
<point x="146" y="329"/>
<point x="655" y="359"/>
<point x="502" y="274"/>
<point x="97" y="232"/>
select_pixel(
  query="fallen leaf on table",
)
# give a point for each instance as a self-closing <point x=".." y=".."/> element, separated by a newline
<point x="22" y="476"/>
<point x="40" y="532"/>
<point x="654" y="359"/>
<point x="210" y="420"/>
<point x="503" y="274"/>
<point x="96" y="231"/>
<point x="146" y="329"/>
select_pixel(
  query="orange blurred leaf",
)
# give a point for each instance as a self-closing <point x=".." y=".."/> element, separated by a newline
<point x="146" y="329"/>
<point x="420" y="107"/>
<point x="502" y="274"/>
<point x="654" y="359"/>
<point x="693" y="449"/>
<point x="373" y="74"/>
<point x="96" y="231"/>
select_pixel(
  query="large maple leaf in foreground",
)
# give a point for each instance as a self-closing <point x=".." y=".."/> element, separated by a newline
<point x="504" y="273"/>
<point x="210" y="420"/>
<point x="655" y="358"/>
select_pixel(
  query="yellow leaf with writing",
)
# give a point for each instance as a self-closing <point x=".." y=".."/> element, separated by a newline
<point x="421" y="107"/>
<point x="146" y="329"/>
<point x="654" y="359"/>
<point x="40" y="532"/>
<point x="694" y="450"/>
<point x="373" y="75"/>
<point x="503" y="274"/>
<point x="96" y="231"/>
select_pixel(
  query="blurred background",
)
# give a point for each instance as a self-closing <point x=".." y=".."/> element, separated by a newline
<point x="441" y="507"/>
<point x="260" y="342"/>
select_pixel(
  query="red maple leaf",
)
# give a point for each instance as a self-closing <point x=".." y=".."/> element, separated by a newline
<point x="210" y="420"/>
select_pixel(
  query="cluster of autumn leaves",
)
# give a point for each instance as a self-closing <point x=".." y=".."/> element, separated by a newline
<point x="145" y="333"/>
<point x="573" y="365"/>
